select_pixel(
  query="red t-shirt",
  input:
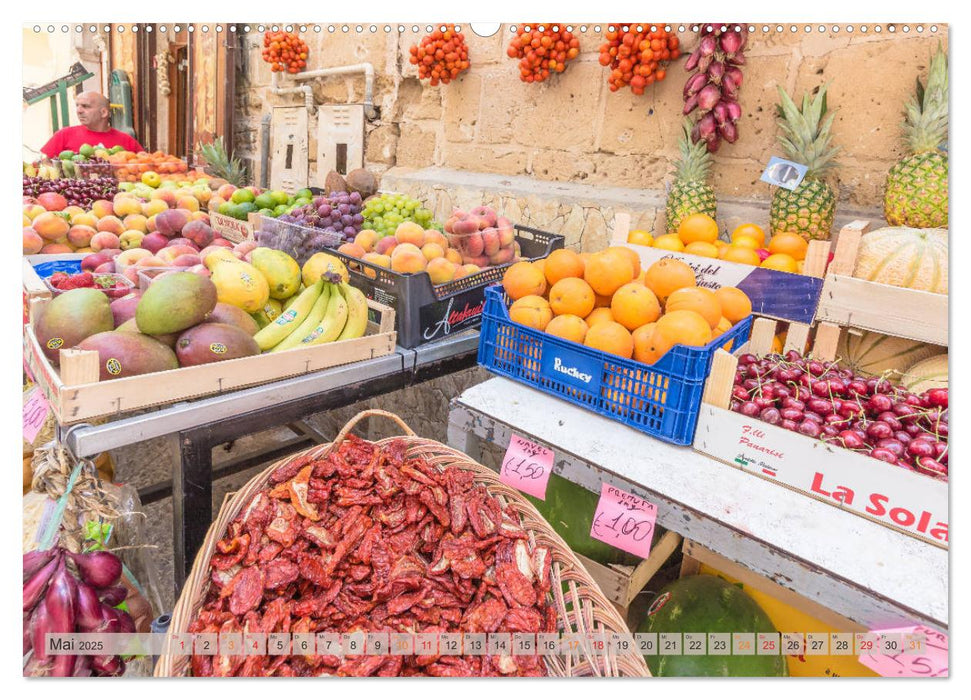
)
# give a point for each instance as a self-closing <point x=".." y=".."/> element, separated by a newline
<point x="71" y="138"/>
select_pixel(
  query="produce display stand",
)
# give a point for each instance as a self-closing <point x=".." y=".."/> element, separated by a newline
<point x="847" y="564"/>
<point x="194" y="428"/>
<point x="897" y="311"/>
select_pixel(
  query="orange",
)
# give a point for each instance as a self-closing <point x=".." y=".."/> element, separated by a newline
<point x="738" y="254"/>
<point x="744" y="241"/>
<point x="538" y="264"/>
<point x="572" y="296"/>
<point x="639" y="237"/>
<point x="633" y="305"/>
<point x="610" y="337"/>
<point x="735" y="304"/>
<point x="705" y="250"/>
<point x="791" y="244"/>
<point x="667" y="275"/>
<point x="781" y="262"/>
<point x="608" y="271"/>
<point x="777" y="344"/>
<point x="724" y="325"/>
<point x="599" y="315"/>
<point x="751" y="230"/>
<point x="721" y="246"/>
<point x="523" y="279"/>
<point x="635" y="259"/>
<point x="568" y="327"/>
<point x="799" y="266"/>
<point x="698" y="227"/>
<point x="698" y="299"/>
<point x="669" y="241"/>
<point x="642" y="344"/>
<point x="562" y="263"/>
<point x="680" y="328"/>
<point x="532" y="311"/>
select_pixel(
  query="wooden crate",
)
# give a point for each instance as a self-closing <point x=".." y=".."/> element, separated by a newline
<point x="76" y="394"/>
<point x="891" y="496"/>
<point x="232" y="229"/>
<point x="897" y="311"/>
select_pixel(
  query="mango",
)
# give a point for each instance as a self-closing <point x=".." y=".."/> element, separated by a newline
<point x="70" y="318"/>
<point x="127" y="354"/>
<point x="214" y="342"/>
<point x="240" y="284"/>
<point x="233" y="316"/>
<point x="124" y="308"/>
<point x="281" y="271"/>
<point x="131" y="326"/>
<point x="175" y="302"/>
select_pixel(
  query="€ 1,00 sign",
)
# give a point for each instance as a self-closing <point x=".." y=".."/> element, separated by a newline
<point x="624" y="520"/>
<point x="527" y="467"/>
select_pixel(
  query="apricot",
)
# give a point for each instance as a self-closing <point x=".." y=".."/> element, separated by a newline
<point x="431" y="251"/>
<point x="386" y="245"/>
<point x="102" y="208"/>
<point x="433" y="236"/>
<point x="407" y="261"/>
<point x="366" y="239"/>
<point x="125" y="205"/>
<point x="111" y="224"/>
<point x="441" y="270"/>
<point x="103" y="240"/>
<point x="32" y="242"/>
<point x="453" y="256"/>
<point x="80" y="236"/>
<point x="136" y="222"/>
<point x="51" y="226"/>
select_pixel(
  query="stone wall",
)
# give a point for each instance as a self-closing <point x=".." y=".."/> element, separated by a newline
<point x="573" y="129"/>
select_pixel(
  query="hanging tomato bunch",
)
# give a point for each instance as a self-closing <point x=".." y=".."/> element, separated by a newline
<point x="637" y="58"/>
<point x="441" y="56"/>
<point x="284" y="51"/>
<point x="543" y="52"/>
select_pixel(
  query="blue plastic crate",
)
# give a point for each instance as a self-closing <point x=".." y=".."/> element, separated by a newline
<point x="45" y="270"/>
<point x="661" y="400"/>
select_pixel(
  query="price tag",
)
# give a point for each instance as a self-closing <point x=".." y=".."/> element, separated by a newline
<point x="527" y="467"/>
<point x="624" y="520"/>
<point x="36" y="410"/>
<point x="932" y="662"/>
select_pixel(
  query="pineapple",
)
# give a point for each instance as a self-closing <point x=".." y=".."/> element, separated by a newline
<point x="810" y="208"/>
<point x="917" y="185"/>
<point x="690" y="193"/>
<point x="221" y="165"/>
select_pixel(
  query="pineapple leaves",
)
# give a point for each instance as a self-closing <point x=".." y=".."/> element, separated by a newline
<point x="806" y="132"/>
<point x="920" y="93"/>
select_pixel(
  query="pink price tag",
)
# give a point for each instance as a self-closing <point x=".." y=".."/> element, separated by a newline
<point x="624" y="520"/>
<point x="35" y="413"/>
<point x="527" y="467"/>
<point x="923" y="654"/>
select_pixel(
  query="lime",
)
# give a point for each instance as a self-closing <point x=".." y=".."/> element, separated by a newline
<point x="86" y="150"/>
<point x="226" y="207"/>
<point x="65" y="155"/>
<point x="265" y="201"/>
<point x="243" y="209"/>
<point x="242" y="195"/>
<point x="267" y="212"/>
<point x="281" y="209"/>
<point x="305" y="193"/>
<point x="279" y="197"/>
<point x="116" y="149"/>
<point x="300" y="201"/>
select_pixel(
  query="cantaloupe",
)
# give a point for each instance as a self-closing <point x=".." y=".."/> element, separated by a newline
<point x="904" y="257"/>
<point x="877" y="354"/>
<point x="926" y="374"/>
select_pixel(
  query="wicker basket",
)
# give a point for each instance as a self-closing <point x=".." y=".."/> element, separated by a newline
<point x="589" y="611"/>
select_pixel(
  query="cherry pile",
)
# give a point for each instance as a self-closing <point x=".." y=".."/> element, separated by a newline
<point x="637" y="58"/>
<point x="864" y="414"/>
<point x="441" y="56"/>
<point x="284" y="51"/>
<point x="79" y="192"/>
<point x="541" y="52"/>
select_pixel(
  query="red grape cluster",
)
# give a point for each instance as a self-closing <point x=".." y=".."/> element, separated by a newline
<point x="542" y="52"/>
<point x="864" y="414"/>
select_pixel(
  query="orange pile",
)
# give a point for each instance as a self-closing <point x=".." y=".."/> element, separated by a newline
<point x="698" y="235"/>
<point x="604" y="301"/>
<point x="130" y="166"/>
<point x="285" y="51"/>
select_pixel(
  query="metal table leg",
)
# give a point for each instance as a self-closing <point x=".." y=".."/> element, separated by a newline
<point x="191" y="501"/>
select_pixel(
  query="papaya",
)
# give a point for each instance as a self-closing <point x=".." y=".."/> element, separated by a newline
<point x="281" y="271"/>
<point x="240" y="284"/>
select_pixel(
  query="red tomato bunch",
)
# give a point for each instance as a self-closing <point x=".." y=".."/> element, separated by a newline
<point x="441" y="56"/>
<point x="637" y="58"/>
<point x="285" y="51"/>
<point x="542" y="52"/>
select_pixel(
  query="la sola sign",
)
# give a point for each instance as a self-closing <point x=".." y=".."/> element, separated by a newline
<point x="894" y="496"/>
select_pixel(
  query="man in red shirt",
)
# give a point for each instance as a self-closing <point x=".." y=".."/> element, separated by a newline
<point x="94" y="114"/>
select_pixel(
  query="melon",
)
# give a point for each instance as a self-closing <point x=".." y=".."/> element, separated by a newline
<point x="876" y="354"/>
<point x="926" y="374"/>
<point x="915" y="258"/>
<point x="708" y="604"/>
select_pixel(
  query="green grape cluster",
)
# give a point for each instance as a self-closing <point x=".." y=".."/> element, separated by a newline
<point x="383" y="213"/>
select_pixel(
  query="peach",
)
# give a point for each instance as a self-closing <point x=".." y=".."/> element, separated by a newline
<point x="385" y="245"/>
<point x="136" y="222"/>
<point x="504" y="256"/>
<point x="432" y="251"/>
<point x="405" y="248"/>
<point x="165" y="195"/>
<point x="222" y="242"/>
<point x="440" y="270"/>
<point x="376" y="259"/>
<point x="85" y="219"/>
<point x="407" y="261"/>
<point x="187" y="261"/>
<point x="33" y="210"/>
<point x="200" y="216"/>
<point x="80" y="236"/>
<point x="245" y="247"/>
<point x="486" y="213"/>
<point x="104" y="239"/>
<point x="72" y="211"/>
<point x="84" y="250"/>
<point x="131" y="273"/>
<point x="366" y="239"/>
<point x="187" y="201"/>
<point x="52" y="201"/>
<point x="215" y="202"/>
<point x="56" y="249"/>
<point x="26" y="221"/>
<point x="225" y="192"/>
<point x="453" y="256"/>
<point x="32" y="242"/>
<point x="106" y="266"/>
<point x="490" y="241"/>
<point x="153" y="207"/>
<point x="154" y="242"/>
<point x="352" y="249"/>
<point x="184" y="242"/>
<point x="433" y="236"/>
<point x="199" y="233"/>
<point x="172" y="252"/>
<point x="126" y="204"/>
<point x="111" y="224"/>
<point x="466" y="270"/>
<point x="51" y="226"/>
<point x="151" y="261"/>
<point x="410" y="232"/>
<point x="203" y="194"/>
<point x="150" y="224"/>
<point x="131" y="256"/>
<point x="102" y="207"/>
<point x="479" y="261"/>
<point x="130" y="239"/>
<point x="93" y="261"/>
<point x="507" y="236"/>
<point x="170" y="223"/>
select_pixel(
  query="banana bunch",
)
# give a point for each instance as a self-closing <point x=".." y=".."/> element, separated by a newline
<point x="322" y="313"/>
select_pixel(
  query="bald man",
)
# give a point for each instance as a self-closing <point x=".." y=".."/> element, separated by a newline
<point x="94" y="113"/>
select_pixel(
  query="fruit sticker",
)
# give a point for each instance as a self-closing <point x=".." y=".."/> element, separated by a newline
<point x="218" y="348"/>
<point x="113" y="366"/>
<point x="55" y="343"/>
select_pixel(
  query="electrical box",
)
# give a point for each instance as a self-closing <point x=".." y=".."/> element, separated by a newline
<point x="289" y="144"/>
<point x="340" y="139"/>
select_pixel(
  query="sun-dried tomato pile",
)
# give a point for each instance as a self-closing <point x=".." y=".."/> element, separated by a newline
<point x="367" y="540"/>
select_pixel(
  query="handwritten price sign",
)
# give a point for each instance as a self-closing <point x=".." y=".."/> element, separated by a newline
<point x="36" y="409"/>
<point x="922" y="653"/>
<point x="527" y="467"/>
<point x="624" y="520"/>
